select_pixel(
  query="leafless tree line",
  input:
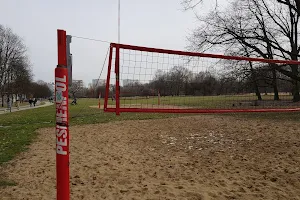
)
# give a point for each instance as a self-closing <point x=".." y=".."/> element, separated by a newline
<point x="181" y="81"/>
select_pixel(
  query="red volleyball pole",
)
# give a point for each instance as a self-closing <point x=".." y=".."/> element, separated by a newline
<point x="62" y="120"/>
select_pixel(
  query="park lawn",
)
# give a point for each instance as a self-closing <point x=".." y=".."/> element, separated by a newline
<point x="18" y="129"/>
<point x="220" y="101"/>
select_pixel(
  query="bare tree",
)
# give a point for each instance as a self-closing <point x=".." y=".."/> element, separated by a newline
<point x="179" y="77"/>
<point x="190" y="4"/>
<point x="21" y="77"/>
<point x="292" y="4"/>
<point x="40" y="89"/>
<point x="269" y="29"/>
<point x="13" y="62"/>
<point x="77" y="89"/>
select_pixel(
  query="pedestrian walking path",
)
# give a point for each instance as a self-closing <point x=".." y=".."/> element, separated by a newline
<point x="14" y="109"/>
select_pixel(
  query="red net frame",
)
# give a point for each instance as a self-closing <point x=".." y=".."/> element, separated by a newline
<point x="114" y="68"/>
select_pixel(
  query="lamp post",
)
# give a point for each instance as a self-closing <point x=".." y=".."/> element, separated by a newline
<point x="119" y="19"/>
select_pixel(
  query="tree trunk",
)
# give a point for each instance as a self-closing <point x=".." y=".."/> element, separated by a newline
<point x="274" y="84"/>
<point x="255" y="85"/>
<point x="2" y="100"/>
<point x="257" y="91"/>
<point x="295" y="52"/>
<point x="295" y="89"/>
<point x="186" y="88"/>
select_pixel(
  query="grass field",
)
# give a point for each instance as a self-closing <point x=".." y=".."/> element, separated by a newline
<point x="220" y="101"/>
<point x="18" y="129"/>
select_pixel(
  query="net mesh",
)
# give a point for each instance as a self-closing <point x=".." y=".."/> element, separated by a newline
<point x="152" y="80"/>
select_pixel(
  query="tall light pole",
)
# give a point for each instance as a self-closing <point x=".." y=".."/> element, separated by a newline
<point x="119" y="10"/>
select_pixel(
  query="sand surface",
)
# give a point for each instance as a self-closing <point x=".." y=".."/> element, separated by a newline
<point x="194" y="158"/>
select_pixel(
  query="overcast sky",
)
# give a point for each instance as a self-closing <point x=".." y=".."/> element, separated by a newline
<point x="153" y="23"/>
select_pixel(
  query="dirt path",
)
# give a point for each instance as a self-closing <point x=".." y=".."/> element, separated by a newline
<point x="194" y="158"/>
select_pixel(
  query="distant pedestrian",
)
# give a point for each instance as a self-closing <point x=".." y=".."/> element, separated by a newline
<point x="30" y="102"/>
<point x="34" y="101"/>
<point x="18" y="103"/>
<point x="74" y="102"/>
<point x="8" y="104"/>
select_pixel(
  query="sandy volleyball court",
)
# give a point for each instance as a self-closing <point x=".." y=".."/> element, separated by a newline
<point x="194" y="158"/>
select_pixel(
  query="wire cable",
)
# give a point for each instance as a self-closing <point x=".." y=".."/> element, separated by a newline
<point x="94" y="85"/>
<point x="92" y="39"/>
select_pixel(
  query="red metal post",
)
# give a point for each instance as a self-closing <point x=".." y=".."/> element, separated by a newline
<point x="108" y="78"/>
<point x="117" y="70"/>
<point x="62" y="120"/>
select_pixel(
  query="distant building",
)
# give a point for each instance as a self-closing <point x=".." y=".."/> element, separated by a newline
<point x="78" y="83"/>
<point x="98" y="82"/>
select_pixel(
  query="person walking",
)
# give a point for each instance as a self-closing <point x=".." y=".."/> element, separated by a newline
<point x="34" y="101"/>
<point x="18" y="102"/>
<point x="30" y="102"/>
<point x="74" y="102"/>
<point x="8" y="103"/>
